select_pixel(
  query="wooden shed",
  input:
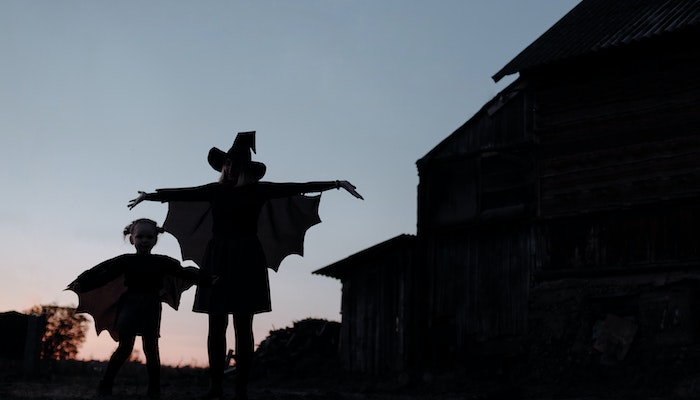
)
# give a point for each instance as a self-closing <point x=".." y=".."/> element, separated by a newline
<point x="377" y="306"/>
<point x="20" y="342"/>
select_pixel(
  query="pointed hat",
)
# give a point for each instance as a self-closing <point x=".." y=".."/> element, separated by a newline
<point x="239" y="154"/>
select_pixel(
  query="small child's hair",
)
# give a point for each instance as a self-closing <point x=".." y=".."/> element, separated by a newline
<point x="129" y="229"/>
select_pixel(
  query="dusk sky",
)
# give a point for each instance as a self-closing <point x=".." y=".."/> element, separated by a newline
<point x="100" y="99"/>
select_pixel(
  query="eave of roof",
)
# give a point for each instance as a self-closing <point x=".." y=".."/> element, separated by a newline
<point x="595" y="25"/>
<point x="341" y="268"/>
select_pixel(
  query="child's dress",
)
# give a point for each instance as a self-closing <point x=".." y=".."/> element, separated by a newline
<point x="124" y="294"/>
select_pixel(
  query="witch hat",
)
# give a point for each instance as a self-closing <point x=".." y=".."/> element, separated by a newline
<point x="240" y="156"/>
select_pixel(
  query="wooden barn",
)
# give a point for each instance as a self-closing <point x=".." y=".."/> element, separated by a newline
<point x="574" y="193"/>
<point x="568" y="207"/>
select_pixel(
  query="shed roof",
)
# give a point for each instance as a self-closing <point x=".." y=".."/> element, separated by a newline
<point x="594" y="25"/>
<point x="343" y="267"/>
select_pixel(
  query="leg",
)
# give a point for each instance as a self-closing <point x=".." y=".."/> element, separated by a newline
<point x="150" y="350"/>
<point x="243" y="326"/>
<point x="216" y="346"/>
<point x="120" y="355"/>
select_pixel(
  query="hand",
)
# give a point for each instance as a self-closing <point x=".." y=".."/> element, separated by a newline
<point x="350" y="188"/>
<point x="136" y="201"/>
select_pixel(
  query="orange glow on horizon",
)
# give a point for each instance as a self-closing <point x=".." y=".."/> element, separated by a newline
<point x="176" y="350"/>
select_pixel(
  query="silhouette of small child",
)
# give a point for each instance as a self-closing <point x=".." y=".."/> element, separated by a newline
<point x="138" y="311"/>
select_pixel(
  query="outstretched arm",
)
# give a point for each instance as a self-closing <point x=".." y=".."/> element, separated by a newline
<point x="290" y="189"/>
<point x="199" y="193"/>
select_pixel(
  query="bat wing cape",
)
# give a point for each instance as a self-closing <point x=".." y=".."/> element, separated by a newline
<point x="102" y="302"/>
<point x="282" y="224"/>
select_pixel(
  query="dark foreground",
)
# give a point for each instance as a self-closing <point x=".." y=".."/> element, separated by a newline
<point x="78" y="380"/>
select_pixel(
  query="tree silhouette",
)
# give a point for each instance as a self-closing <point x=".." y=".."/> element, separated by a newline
<point x="65" y="331"/>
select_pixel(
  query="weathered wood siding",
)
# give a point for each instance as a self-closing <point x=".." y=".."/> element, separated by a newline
<point x="658" y="237"/>
<point x="476" y="198"/>
<point x="498" y="124"/>
<point x="484" y="170"/>
<point x="448" y="194"/>
<point x="378" y="332"/>
<point x="619" y="160"/>
<point x="620" y="132"/>
<point x="477" y="286"/>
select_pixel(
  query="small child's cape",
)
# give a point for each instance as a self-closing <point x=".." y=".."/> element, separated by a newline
<point x="102" y="302"/>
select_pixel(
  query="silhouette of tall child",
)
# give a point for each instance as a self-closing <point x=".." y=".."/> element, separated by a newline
<point x="234" y="254"/>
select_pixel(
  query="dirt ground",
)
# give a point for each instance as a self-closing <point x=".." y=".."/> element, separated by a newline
<point x="301" y="363"/>
<point x="81" y="388"/>
<point x="78" y="380"/>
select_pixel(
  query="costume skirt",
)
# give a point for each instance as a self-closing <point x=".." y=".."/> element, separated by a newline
<point x="139" y="314"/>
<point x="243" y="285"/>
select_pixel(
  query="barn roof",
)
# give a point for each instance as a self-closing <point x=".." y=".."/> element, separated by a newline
<point x="595" y="25"/>
<point x="343" y="267"/>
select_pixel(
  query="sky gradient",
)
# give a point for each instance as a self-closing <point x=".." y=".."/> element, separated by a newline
<point x="100" y="99"/>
